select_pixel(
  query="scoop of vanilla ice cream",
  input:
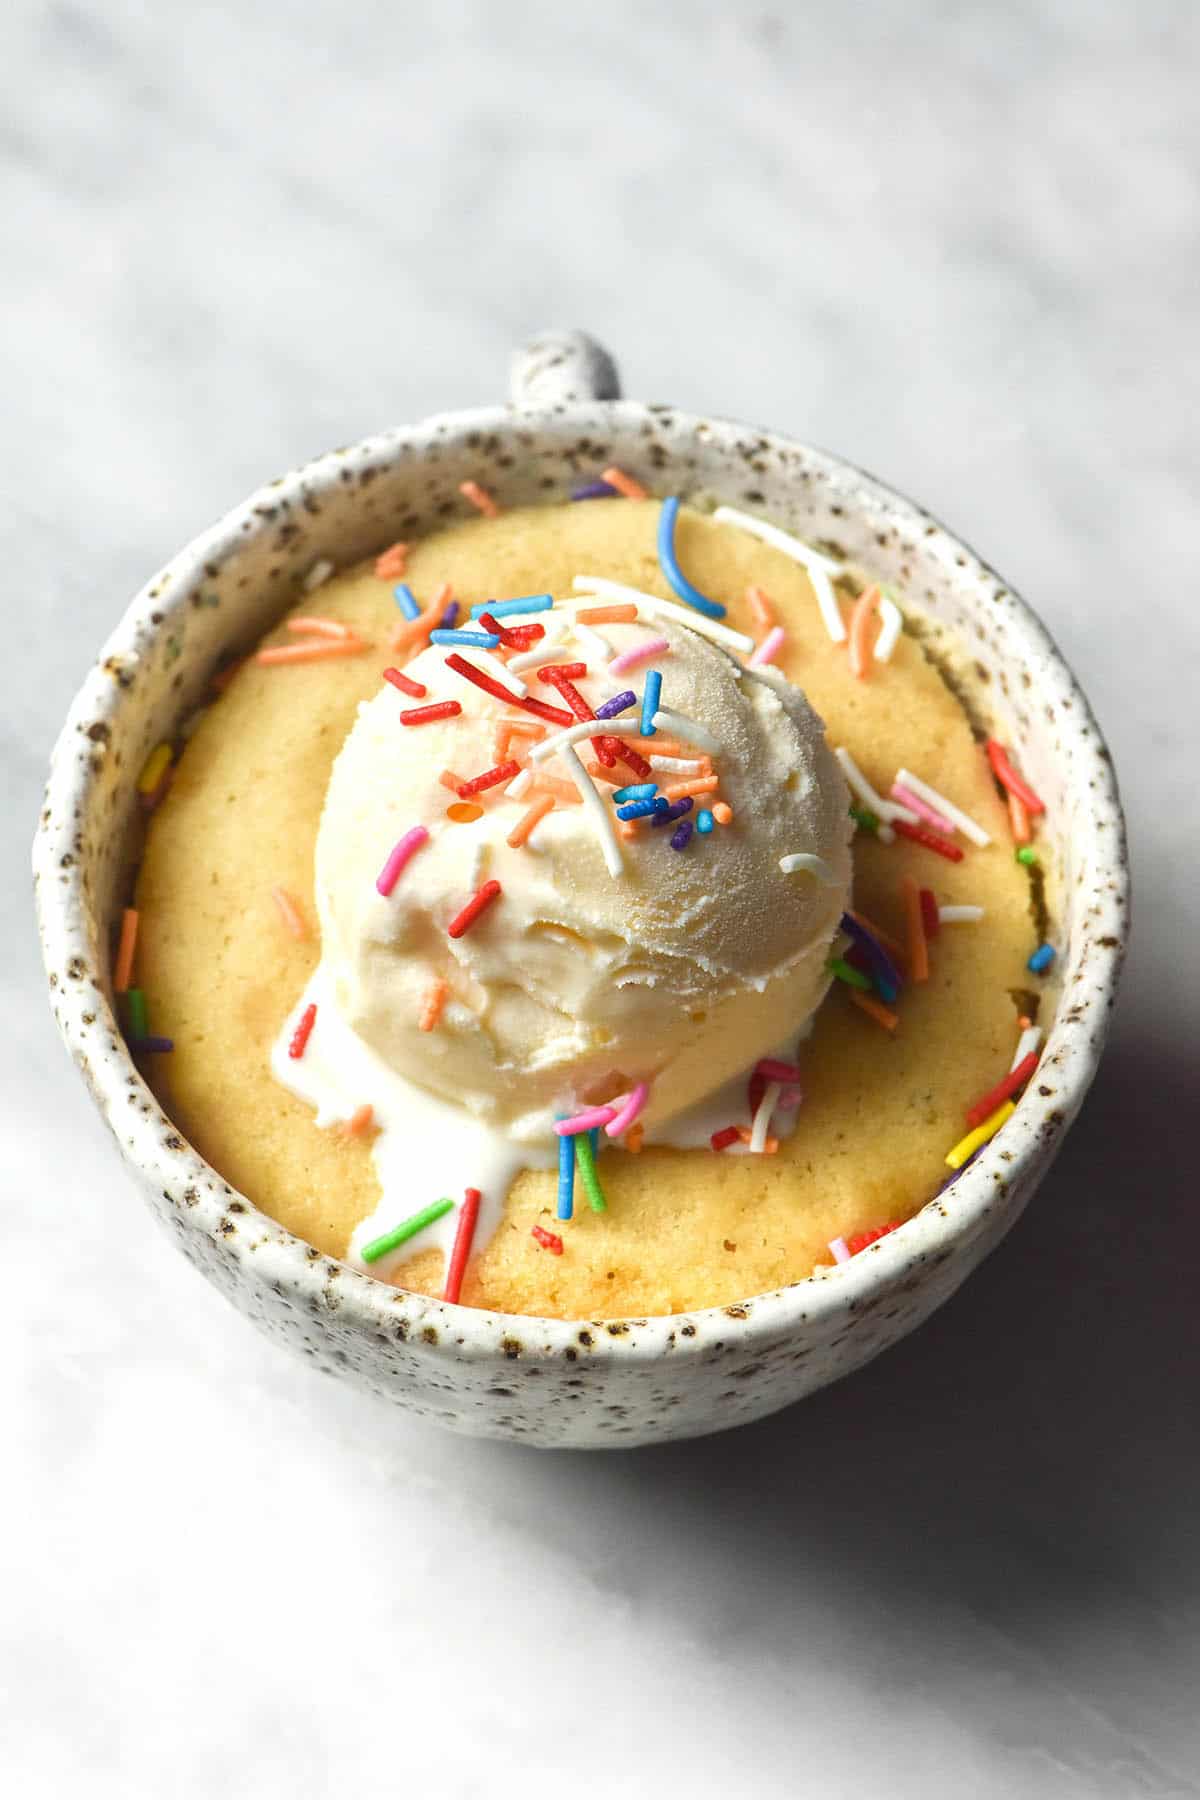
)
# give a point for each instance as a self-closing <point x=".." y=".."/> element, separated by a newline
<point x="576" y="983"/>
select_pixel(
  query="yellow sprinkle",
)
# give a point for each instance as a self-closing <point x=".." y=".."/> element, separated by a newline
<point x="157" y="764"/>
<point x="967" y="1146"/>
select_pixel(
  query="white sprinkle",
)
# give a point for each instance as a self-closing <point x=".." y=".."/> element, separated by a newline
<point x="762" y="1118"/>
<point x="840" y="1251"/>
<point x="593" y="804"/>
<point x="1030" y="1039"/>
<point x="886" y="809"/>
<point x="931" y="797"/>
<point x="586" y="728"/>
<point x="597" y="647"/>
<point x="678" y="726"/>
<point x="558" y="625"/>
<point x="666" y="609"/>
<point x="479" y="862"/>
<point x="819" y="568"/>
<point x="317" y="576"/>
<point x="519" y="786"/>
<point x="676" y="765"/>
<point x="503" y="672"/>
<point x="811" y="865"/>
<point x="960" y="915"/>
<point x="892" y="626"/>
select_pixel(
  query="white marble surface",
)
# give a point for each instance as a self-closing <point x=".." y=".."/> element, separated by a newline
<point x="960" y="244"/>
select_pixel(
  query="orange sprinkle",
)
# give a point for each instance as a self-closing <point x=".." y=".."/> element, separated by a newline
<point x="635" y="1137"/>
<point x="314" y="627"/>
<point x="622" y="612"/>
<point x="464" y="812"/>
<point x="525" y="824"/>
<point x="883" y="1015"/>
<point x="860" y="625"/>
<point x="565" y="791"/>
<point x="529" y="728"/>
<point x="290" y="913"/>
<point x="888" y="942"/>
<point x="320" y="649"/>
<point x="361" y="1122"/>
<point x="1024" y="1022"/>
<point x="760" y="606"/>
<point x="500" y="739"/>
<point x="432" y="1005"/>
<point x="393" y="564"/>
<point x="702" y="784"/>
<point x="123" y="967"/>
<point x="624" y="484"/>
<point x="222" y="680"/>
<point x="614" y="777"/>
<point x="450" y="780"/>
<point x="722" y="813"/>
<point x="411" y="633"/>
<point x="1018" y="818"/>
<point x="918" y="949"/>
<point x="627" y="828"/>
<point x="479" y="496"/>
<point x="770" y="1146"/>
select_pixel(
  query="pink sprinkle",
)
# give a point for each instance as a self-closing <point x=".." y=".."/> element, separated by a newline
<point x="630" y="1105"/>
<point x="790" y="1096"/>
<point x="629" y="659"/>
<point x="771" y="1069"/>
<point x="769" y="649"/>
<point x="585" y="1121"/>
<point x="409" y="844"/>
<point x="916" y="804"/>
<point x="840" y="1252"/>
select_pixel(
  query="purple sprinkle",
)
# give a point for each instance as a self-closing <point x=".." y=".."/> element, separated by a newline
<point x="618" y="704"/>
<point x="955" y="1173"/>
<point x="873" y="949"/>
<point x="680" y="838"/>
<point x="594" y="490"/>
<point x="673" y="812"/>
<point x="449" y="618"/>
<point x="151" y="1046"/>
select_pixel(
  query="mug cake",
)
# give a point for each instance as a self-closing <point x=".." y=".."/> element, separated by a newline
<point x="593" y="909"/>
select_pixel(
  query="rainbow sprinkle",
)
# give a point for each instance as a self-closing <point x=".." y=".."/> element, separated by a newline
<point x="400" y="856"/>
<point x="1041" y="959"/>
<point x="566" y="1177"/>
<point x="585" y="1158"/>
<point x="651" y="694"/>
<point x="407" y="601"/>
<point x="704" y="822"/>
<point x="669" y="563"/>
<point x="619" y="703"/>
<point x="975" y="1140"/>
<point x="401" y="1233"/>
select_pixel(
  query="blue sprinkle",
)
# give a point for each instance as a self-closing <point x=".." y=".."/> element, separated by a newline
<point x="1041" y="959"/>
<point x="651" y="694"/>
<point x="641" y="790"/>
<point x="449" y="618"/>
<point x="618" y="704"/>
<point x="407" y="601"/>
<point x="886" y="975"/>
<point x="530" y="603"/>
<point x="479" y="640"/>
<point x="594" y="1140"/>
<point x="682" y="837"/>
<point x="645" y="809"/>
<point x="566" y="1177"/>
<point x="594" y="490"/>
<point x="704" y="822"/>
<point x="670" y="565"/>
<point x="673" y="812"/>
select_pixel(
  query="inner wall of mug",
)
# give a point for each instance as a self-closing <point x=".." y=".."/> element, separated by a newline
<point x="217" y="598"/>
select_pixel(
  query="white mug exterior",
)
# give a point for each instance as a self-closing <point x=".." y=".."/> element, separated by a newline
<point x="548" y="1381"/>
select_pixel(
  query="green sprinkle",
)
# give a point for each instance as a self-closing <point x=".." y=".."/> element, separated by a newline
<point x="585" y="1162"/>
<point x="1027" y="856"/>
<point x="852" y="977"/>
<point x="381" y="1245"/>
<point x="864" y="817"/>
<point x="135" y="1002"/>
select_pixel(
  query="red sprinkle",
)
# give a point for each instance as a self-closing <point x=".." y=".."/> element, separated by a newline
<point x="425" y="715"/>
<point x="563" y="672"/>
<point x="512" y="637"/>
<point x="932" y="840"/>
<point x="756" y="1087"/>
<point x="468" y="1214"/>
<point x="929" y="913"/>
<point x="861" y="1239"/>
<point x="1003" y="1090"/>
<point x="405" y="683"/>
<point x="561" y="678"/>
<point x="721" y="1140"/>
<point x="490" y="778"/>
<point x="633" y="759"/>
<point x="553" y="714"/>
<point x="463" y="921"/>
<point x="1007" y="776"/>
<point x="549" y="1240"/>
<point x="303" y="1031"/>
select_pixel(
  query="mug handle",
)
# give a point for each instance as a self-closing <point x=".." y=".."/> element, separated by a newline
<point x="562" y="368"/>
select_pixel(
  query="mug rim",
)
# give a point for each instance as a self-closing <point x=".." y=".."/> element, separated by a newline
<point x="282" y="1257"/>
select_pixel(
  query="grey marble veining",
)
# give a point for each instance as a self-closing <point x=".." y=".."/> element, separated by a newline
<point x="959" y="244"/>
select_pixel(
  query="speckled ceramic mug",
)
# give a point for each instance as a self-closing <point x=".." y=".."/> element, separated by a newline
<point x="576" y="1382"/>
